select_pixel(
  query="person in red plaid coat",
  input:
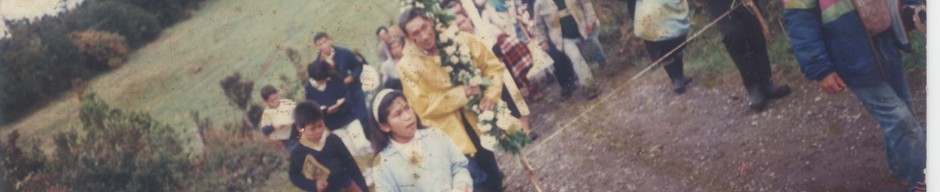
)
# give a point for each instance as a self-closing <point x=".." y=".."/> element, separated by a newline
<point x="517" y="58"/>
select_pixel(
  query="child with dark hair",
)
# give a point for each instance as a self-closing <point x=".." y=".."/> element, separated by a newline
<point x="389" y="67"/>
<point x="382" y="34"/>
<point x="348" y="69"/>
<point x="328" y="89"/>
<point x="321" y="161"/>
<point x="277" y="118"/>
<point x="413" y="158"/>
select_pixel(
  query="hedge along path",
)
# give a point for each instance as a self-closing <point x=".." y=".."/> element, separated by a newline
<point x="620" y="88"/>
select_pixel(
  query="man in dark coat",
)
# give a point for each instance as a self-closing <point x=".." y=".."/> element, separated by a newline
<point x="344" y="63"/>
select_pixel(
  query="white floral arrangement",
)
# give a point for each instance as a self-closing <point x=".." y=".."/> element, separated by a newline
<point x="500" y="129"/>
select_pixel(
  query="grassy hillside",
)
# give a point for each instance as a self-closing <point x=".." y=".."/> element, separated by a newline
<point x="180" y="71"/>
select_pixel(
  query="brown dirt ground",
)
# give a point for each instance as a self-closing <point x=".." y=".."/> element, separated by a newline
<point x="645" y="138"/>
<point x="640" y="138"/>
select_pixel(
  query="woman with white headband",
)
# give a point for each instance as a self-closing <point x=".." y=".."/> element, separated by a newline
<point x="413" y="157"/>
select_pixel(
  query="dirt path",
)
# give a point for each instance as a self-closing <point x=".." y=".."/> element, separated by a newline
<point x="645" y="138"/>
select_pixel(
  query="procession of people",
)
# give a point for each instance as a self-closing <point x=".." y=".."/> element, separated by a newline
<point x="415" y="132"/>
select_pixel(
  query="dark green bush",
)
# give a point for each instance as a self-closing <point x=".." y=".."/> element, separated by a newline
<point x="231" y="162"/>
<point x="129" y="151"/>
<point x="37" y="61"/>
<point x="137" y="25"/>
<point x="119" y="151"/>
<point x="16" y="165"/>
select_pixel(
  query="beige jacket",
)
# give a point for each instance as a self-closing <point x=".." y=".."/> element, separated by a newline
<point x="547" y="19"/>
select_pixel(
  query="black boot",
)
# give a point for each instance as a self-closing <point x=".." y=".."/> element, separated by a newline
<point x="567" y="91"/>
<point x="756" y="99"/>
<point x="679" y="84"/>
<point x="775" y="92"/>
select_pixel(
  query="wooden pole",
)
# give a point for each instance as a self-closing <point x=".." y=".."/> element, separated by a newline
<point x="760" y="19"/>
<point x="530" y="173"/>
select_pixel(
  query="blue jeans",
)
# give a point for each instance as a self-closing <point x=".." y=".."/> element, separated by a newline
<point x="905" y="140"/>
<point x="596" y="46"/>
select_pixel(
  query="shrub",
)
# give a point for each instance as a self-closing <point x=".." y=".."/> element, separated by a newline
<point x="119" y="151"/>
<point x="129" y="151"/>
<point x="107" y="50"/>
<point x="17" y="165"/>
<point x="137" y="25"/>
<point x="37" y="61"/>
<point x="238" y="92"/>
<point x="233" y="163"/>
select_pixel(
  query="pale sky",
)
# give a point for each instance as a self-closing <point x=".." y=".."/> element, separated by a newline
<point x="16" y="9"/>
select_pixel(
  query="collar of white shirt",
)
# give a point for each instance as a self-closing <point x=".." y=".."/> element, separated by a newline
<point x="318" y="86"/>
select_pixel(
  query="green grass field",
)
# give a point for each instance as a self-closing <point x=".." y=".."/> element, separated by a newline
<point x="180" y="72"/>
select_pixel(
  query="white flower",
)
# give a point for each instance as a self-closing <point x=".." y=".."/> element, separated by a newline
<point x="485" y="127"/>
<point x="465" y="58"/>
<point x="503" y="123"/>
<point x="463" y="74"/>
<point x="487" y="115"/>
<point x="442" y="38"/>
<point x="448" y="69"/>
<point x="450" y="50"/>
<point x="465" y="51"/>
<point x="451" y="30"/>
<point x="476" y="80"/>
<point x="420" y="5"/>
<point x="446" y="36"/>
<point x="489" y="142"/>
<point x="453" y="59"/>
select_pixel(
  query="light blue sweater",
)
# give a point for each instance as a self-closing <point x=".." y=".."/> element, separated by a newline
<point x="438" y="167"/>
<point x="660" y="20"/>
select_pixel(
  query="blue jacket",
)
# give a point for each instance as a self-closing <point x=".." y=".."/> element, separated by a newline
<point x="334" y="159"/>
<point x="828" y="36"/>
<point x="347" y="65"/>
<point x="335" y="90"/>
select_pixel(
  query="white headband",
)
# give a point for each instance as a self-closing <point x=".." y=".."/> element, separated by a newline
<point x="377" y="101"/>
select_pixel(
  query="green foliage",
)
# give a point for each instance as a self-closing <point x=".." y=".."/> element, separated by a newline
<point x="105" y="50"/>
<point x="129" y="151"/>
<point x="917" y="59"/>
<point x="36" y="62"/>
<point x="237" y="91"/>
<point x="233" y="163"/>
<point x="514" y="141"/>
<point x="17" y="165"/>
<point x="137" y="25"/>
<point x="119" y="151"/>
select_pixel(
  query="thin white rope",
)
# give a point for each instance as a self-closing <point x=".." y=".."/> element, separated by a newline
<point x="621" y="87"/>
